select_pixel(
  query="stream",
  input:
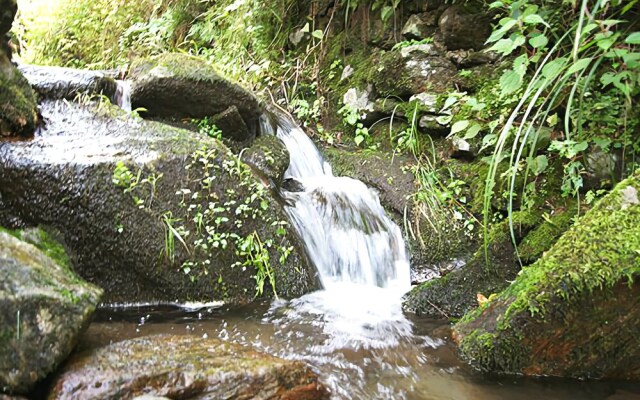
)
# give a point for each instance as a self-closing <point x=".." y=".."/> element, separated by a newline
<point x="410" y="358"/>
<point x="353" y="333"/>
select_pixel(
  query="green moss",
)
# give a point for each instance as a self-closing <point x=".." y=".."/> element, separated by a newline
<point x="18" y="103"/>
<point x="179" y="65"/>
<point x="44" y="242"/>
<point x="544" y="236"/>
<point x="599" y="252"/>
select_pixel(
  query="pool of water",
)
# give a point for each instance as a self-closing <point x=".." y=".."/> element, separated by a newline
<point x="365" y="351"/>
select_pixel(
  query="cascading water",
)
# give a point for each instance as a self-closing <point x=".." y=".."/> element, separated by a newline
<point x="123" y="95"/>
<point x="358" y="251"/>
<point x="347" y="234"/>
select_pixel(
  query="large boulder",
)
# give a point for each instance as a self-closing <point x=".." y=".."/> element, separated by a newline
<point x="67" y="83"/>
<point x="151" y="212"/>
<point x="185" y="367"/>
<point x="182" y="86"/>
<point x="411" y="70"/>
<point x="576" y="311"/>
<point x="44" y="307"/>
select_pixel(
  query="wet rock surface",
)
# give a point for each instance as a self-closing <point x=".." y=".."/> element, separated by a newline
<point x="55" y="83"/>
<point x="269" y="156"/>
<point x="130" y="200"/>
<point x="184" y="367"/>
<point x="44" y="308"/>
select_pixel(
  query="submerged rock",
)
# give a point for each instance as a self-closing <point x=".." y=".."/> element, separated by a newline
<point x="44" y="307"/>
<point x="54" y="83"/>
<point x="576" y="311"/>
<point x="151" y="212"/>
<point x="182" y="86"/>
<point x="185" y="367"/>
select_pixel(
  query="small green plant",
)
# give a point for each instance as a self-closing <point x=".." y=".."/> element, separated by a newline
<point x="208" y="128"/>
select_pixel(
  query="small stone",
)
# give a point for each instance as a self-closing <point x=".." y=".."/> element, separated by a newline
<point x="629" y="197"/>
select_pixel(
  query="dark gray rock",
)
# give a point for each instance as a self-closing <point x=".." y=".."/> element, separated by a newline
<point x="54" y="83"/>
<point x="182" y="86"/>
<point x="461" y="29"/>
<point x="420" y="26"/>
<point x="269" y="156"/>
<point x="185" y="367"/>
<point x="44" y="307"/>
<point x="150" y="212"/>
<point x="232" y="125"/>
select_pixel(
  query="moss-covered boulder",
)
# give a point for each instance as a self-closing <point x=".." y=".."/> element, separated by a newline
<point x="54" y="83"/>
<point x="44" y="307"/>
<point x="411" y="70"/>
<point x="18" y="108"/>
<point x="151" y="212"/>
<point x="182" y="86"/>
<point x="576" y="311"/>
<point x="185" y="367"/>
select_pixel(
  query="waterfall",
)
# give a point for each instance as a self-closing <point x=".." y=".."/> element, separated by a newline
<point x="123" y="95"/>
<point x="345" y="229"/>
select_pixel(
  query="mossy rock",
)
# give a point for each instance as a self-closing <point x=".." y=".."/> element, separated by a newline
<point x="575" y="312"/>
<point x="186" y="367"/>
<point x="8" y="10"/>
<point x="18" y="103"/>
<point x="411" y="70"/>
<point x="44" y="307"/>
<point x="177" y="85"/>
<point x="153" y="213"/>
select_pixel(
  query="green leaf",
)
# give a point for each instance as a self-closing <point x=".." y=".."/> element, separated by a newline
<point x="633" y="38"/>
<point x="534" y="19"/>
<point x="579" y="65"/>
<point x="540" y="165"/>
<point x="359" y="139"/>
<point x="538" y="42"/>
<point x="553" y="68"/>
<point x="473" y="131"/>
<point x="503" y="46"/>
<point x="459" y="127"/>
<point x="305" y="28"/>
<point x="507" y="24"/>
<point x="317" y="34"/>
<point x="510" y="81"/>
<point x="386" y="13"/>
